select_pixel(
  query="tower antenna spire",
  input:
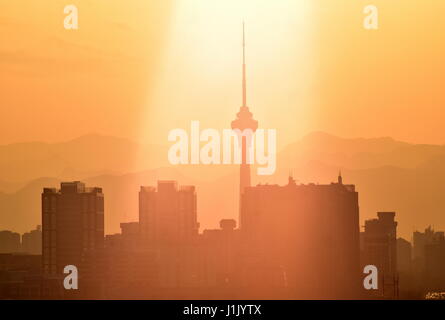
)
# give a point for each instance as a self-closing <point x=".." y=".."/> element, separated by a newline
<point x="244" y="70"/>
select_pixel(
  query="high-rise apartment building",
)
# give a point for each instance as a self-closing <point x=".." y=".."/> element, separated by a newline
<point x="310" y="232"/>
<point x="380" y="250"/>
<point x="167" y="215"/>
<point x="73" y="223"/>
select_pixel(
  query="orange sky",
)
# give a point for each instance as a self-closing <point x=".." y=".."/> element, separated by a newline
<point x="139" y="68"/>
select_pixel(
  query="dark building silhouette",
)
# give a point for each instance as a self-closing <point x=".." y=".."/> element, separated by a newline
<point x="168" y="214"/>
<point x="131" y="269"/>
<point x="222" y="254"/>
<point x="20" y="276"/>
<point x="32" y="241"/>
<point x="9" y="242"/>
<point x="420" y="241"/>
<point x="404" y="257"/>
<point x="130" y="234"/>
<point x="169" y="228"/>
<point x="434" y="275"/>
<point x="380" y="250"/>
<point x="406" y="279"/>
<point x="429" y="260"/>
<point x="305" y="235"/>
<point x="128" y="238"/>
<point x="73" y="224"/>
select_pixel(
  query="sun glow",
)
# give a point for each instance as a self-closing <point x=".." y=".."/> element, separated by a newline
<point x="200" y="78"/>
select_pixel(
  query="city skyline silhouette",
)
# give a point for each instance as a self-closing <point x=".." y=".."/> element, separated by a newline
<point x="298" y="241"/>
<point x="93" y="207"/>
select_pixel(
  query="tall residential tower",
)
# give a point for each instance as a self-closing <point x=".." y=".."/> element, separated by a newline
<point x="167" y="215"/>
<point x="73" y="223"/>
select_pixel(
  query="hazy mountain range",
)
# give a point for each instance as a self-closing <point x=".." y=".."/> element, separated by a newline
<point x="389" y="175"/>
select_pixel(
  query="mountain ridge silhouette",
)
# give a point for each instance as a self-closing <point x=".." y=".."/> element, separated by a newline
<point x="388" y="174"/>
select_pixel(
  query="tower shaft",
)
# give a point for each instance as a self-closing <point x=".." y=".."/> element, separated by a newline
<point x="244" y="168"/>
<point x="244" y="121"/>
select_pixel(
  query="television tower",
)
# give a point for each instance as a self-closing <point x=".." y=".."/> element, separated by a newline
<point x="244" y="121"/>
